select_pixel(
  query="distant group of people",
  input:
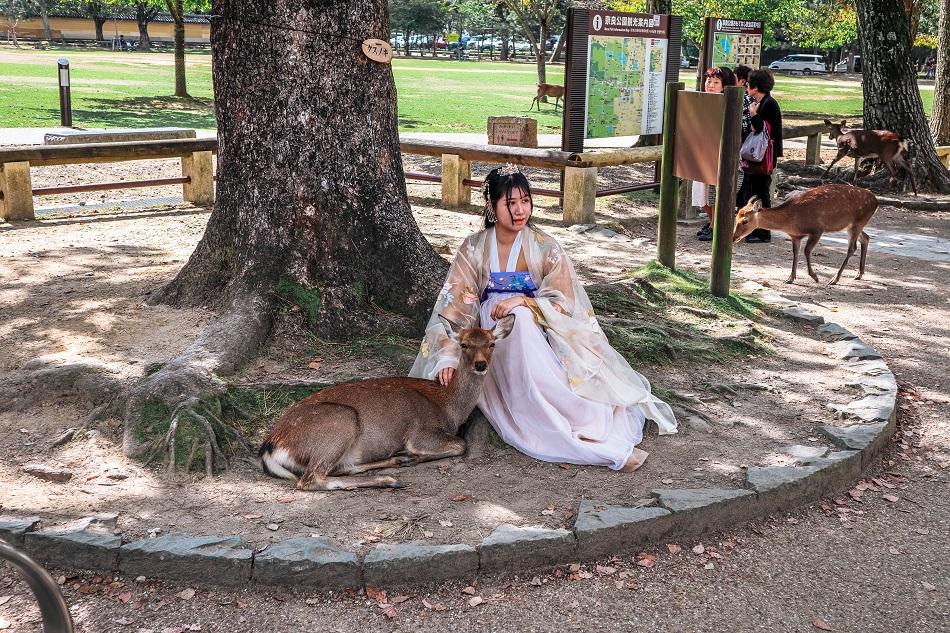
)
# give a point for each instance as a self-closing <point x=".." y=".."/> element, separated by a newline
<point x="759" y="111"/>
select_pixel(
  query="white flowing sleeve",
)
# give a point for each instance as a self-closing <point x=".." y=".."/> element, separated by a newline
<point x="458" y="301"/>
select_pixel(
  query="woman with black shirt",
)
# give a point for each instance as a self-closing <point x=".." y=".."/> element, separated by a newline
<point x="763" y="109"/>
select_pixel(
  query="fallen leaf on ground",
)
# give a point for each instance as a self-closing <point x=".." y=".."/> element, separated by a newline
<point x="564" y="466"/>
<point x="187" y="594"/>
<point x="475" y="601"/>
<point x="285" y="499"/>
<point x="391" y="612"/>
<point x="928" y="586"/>
<point x="646" y="560"/>
<point x="87" y="589"/>
<point x="375" y="594"/>
<point x="818" y="623"/>
<point x="574" y="568"/>
<point x="583" y="575"/>
<point x="438" y="606"/>
<point x="313" y="365"/>
<point x="123" y="597"/>
<point x="400" y="599"/>
<point x="470" y="590"/>
<point x="890" y="498"/>
<point x="604" y="570"/>
<point x="699" y="549"/>
<point x="674" y="548"/>
<point x="458" y="498"/>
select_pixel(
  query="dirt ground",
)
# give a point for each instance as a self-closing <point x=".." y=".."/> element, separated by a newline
<point x="74" y="286"/>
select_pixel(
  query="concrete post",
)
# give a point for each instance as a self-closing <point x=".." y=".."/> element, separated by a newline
<point x="16" y="191"/>
<point x="813" y="150"/>
<point x="580" y="193"/>
<point x="200" y="167"/>
<point x="455" y="171"/>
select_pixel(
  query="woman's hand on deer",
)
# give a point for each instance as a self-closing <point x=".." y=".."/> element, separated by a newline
<point x="445" y="375"/>
<point x="504" y="308"/>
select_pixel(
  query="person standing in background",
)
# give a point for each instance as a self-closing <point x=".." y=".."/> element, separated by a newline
<point x="764" y="109"/>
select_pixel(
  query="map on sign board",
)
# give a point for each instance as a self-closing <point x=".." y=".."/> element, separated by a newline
<point x="731" y="42"/>
<point x="625" y="76"/>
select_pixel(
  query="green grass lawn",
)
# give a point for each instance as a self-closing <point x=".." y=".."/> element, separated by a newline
<point x="132" y="90"/>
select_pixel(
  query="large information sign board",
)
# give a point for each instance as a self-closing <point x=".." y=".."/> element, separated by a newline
<point x="731" y="42"/>
<point x="618" y="66"/>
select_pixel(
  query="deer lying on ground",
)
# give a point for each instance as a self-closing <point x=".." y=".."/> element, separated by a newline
<point x="328" y="438"/>
<point x="548" y="90"/>
<point x="860" y="144"/>
<point x="810" y="214"/>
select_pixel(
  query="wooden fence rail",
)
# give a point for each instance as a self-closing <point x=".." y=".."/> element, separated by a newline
<point x="577" y="196"/>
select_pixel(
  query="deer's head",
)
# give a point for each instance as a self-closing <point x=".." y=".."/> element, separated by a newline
<point x="835" y="129"/>
<point x="747" y="219"/>
<point x="477" y="344"/>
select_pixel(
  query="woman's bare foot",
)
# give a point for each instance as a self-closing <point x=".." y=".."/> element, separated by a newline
<point x="636" y="459"/>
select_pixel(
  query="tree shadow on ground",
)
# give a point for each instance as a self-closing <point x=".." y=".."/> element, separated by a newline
<point x="161" y="111"/>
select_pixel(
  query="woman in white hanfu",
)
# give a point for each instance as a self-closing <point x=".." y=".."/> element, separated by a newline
<point x="555" y="390"/>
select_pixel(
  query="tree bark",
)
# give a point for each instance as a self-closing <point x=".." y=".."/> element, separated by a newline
<point x="44" y="17"/>
<point x="940" y="119"/>
<point x="100" y="22"/>
<point x="310" y="185"/>
<point x="559" y="48"/>
<point x="143" y="15"/>
<point x="541" y="54"/>
<point x="177" y="11"/>
<point x="891" y="96"/>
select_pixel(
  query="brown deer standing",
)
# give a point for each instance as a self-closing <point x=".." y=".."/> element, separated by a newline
<point x="810" y="214"/>
<point x="860" y="144"/>
<point x="327" y="438"/>
<point x="547" y="90"/>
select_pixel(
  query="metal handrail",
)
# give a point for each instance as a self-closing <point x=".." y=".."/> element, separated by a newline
<point x="56" y="618"/>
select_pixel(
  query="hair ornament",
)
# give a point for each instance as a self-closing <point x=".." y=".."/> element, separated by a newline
<point x="509" y="169"/>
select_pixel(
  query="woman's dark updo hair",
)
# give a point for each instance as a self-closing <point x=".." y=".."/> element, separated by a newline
<point x="498" y="186"/>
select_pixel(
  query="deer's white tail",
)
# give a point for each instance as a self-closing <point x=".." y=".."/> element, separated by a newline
<point x="278" y="463"/>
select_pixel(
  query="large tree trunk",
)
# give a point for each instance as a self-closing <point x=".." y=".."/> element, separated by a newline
<point x="100" y="22"/>
<point x="559" y="47"/>
<point x="176" y="9"/>
<point x="891" y="96"/>
<point x="940" y="119"/>
<point x="145" y="43"/>
<point x="310" y="180"/>
<point x="311" y="206"/>
<point x="44" y="17"/>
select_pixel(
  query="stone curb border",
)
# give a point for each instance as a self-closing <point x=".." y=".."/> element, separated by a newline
<point x="599" y="531"/>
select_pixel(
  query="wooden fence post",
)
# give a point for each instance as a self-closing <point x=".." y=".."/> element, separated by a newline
<point x="721" y="266"/>
<point x="669" y="184"/>
<point x="580" y="194"/>
<point x="813" y="149"/>
<point x="16" y="191"/>
<point x="455" y="170"/>
<point x="199" y="166"/>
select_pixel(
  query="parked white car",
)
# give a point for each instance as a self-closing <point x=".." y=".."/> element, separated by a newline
<point x="806" y="64"/>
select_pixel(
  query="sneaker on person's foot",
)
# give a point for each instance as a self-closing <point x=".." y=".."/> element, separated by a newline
<point x="703" y="231"/>
<point x="759" y="236"/>
<point x="705" y="235"/>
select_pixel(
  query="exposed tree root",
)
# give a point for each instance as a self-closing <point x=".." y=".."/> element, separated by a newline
<point x="174" y="413"/>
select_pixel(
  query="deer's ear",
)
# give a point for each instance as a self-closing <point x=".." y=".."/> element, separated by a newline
<point x="827" y="122"/>
<point x="844" y="123"/>
<point x="756" y="205"/>
<point x="452" y="328"/>
<point x="503" y="327"/>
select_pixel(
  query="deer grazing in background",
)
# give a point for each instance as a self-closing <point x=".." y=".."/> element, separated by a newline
<point x="860" y="144"/>
<point x="328" y="438"/>
<point x="547" y="90"/>
<point x="811" y="213"/>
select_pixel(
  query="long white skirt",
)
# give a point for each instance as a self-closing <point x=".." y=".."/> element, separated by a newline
<point x="528" y="401"/>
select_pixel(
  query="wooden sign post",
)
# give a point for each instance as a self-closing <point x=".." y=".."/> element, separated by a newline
<point x="669" y="184"/>
<point x="702" y="135"/>
<point x="720" y="270"/>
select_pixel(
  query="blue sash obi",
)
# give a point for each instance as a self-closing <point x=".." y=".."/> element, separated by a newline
<point x="513" y="282"/>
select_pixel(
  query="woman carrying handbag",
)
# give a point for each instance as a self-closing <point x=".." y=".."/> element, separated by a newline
<point x="766" y="118"/>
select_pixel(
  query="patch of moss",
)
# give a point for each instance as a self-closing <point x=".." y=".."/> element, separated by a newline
<point x="251" y="409"/>
<point x="307" y="299"/>
<point x="154" y="420"/>
<point x="657" y="316"/>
